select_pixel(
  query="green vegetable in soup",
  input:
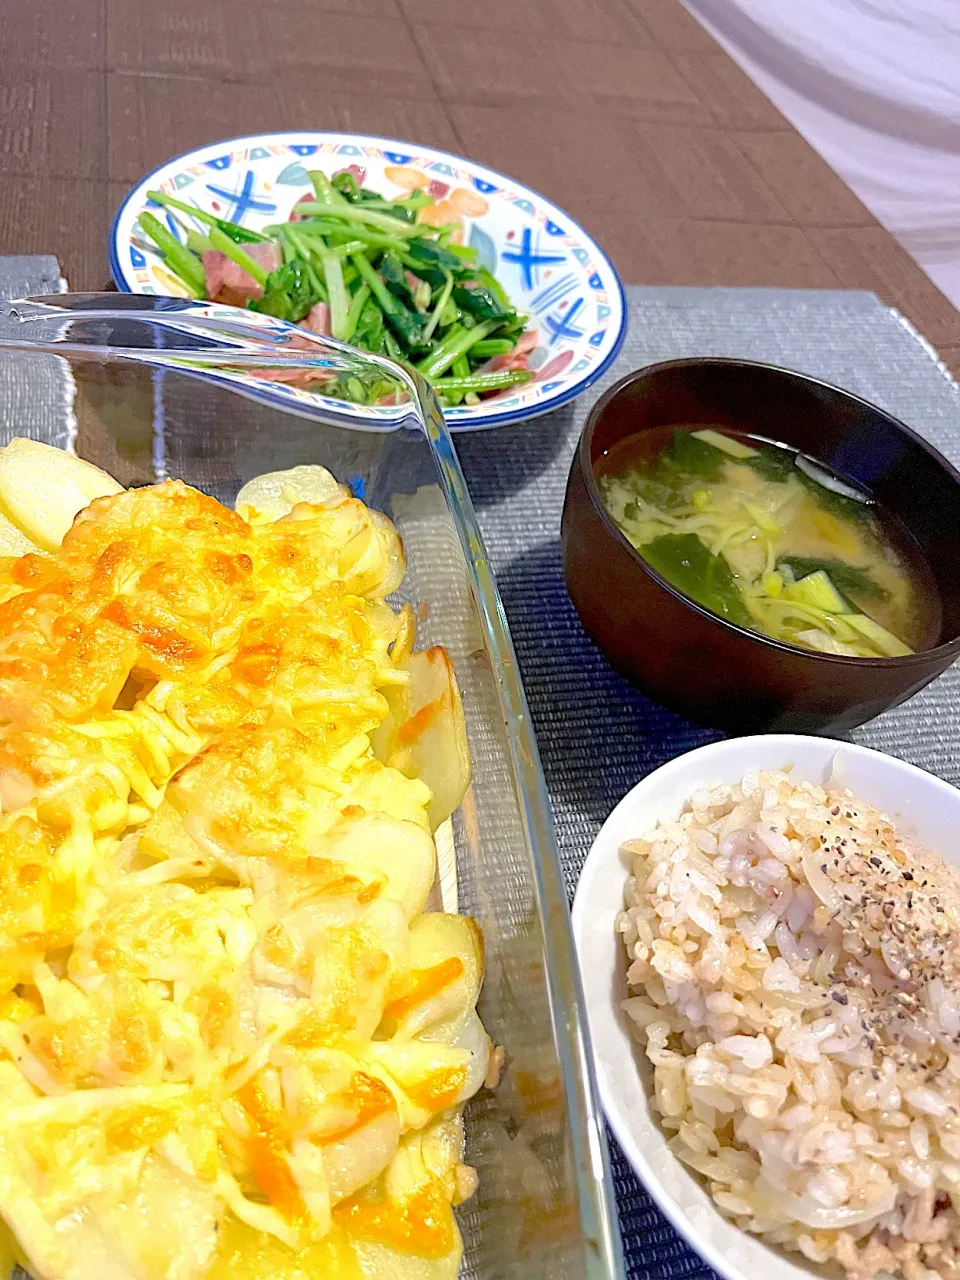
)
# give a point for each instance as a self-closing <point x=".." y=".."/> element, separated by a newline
<point x="684" y="561"/>
<point x="853" y="582"/>
<point x="690" y="456"/>
<point x="772" y="463"/>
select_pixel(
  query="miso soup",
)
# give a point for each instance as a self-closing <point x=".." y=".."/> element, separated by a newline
<point x="771" y="540"/>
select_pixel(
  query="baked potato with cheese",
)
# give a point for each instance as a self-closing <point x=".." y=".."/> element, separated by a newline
<point x="232" y="1042"/>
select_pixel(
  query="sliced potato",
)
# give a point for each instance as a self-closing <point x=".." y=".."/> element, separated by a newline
<point x="43" y="488"/>
<point x="371" y="562"/>
<point x="376" y="846"/>
<point x="396" y="564"/>
<point x="425" y="735"/>
<point x="379" y="1262"/>
<point x="275" y="494"/>
<point x="13" y="542"/>
<point x="244" y="1253"/>
<point x="439" y="1005"/>
<point x="405" y="638"/>
<point x="427" y="1163"/>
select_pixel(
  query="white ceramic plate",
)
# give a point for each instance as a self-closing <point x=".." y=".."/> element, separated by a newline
<point x="926" y="805"/>
<point x="549" y="266"/>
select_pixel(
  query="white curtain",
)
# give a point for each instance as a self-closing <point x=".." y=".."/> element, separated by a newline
<point x="874" y="86"/>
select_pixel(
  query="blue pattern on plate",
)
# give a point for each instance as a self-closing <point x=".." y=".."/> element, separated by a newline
<point x="529" y="258"/>
<point x="553" y="293"/>
<point x="560" y="325"/>
<point x="242" y="201"/>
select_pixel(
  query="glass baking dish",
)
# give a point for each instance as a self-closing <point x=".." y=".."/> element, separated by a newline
<point x="158" y="396"/>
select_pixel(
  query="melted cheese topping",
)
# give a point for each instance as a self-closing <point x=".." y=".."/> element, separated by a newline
<point x="221" y="1004"/>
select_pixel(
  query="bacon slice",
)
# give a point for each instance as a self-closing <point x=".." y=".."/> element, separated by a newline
<point x="515" y="359"/>
<point x="227" y="282"/>
<point x="309" y="198"/>
<point x="317" y="320"/>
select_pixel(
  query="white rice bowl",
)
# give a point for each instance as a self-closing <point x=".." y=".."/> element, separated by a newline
<point x="777" y="1005"/>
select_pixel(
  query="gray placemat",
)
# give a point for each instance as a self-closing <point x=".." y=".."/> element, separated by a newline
<point x="598" y="736"/>
<point x="36" y="398"/>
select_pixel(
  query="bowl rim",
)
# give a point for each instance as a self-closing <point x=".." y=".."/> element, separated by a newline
<point x="584" y="461"/>
<point x="601" y="858"/>
<point x="507" y="417"/>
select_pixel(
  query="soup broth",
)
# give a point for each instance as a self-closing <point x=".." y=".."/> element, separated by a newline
<point x="771" y="540"/>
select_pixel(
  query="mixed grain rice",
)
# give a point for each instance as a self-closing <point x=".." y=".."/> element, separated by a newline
<point x="796" y="963"/>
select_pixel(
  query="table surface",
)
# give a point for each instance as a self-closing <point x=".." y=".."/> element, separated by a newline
<point x="625" y="112"/>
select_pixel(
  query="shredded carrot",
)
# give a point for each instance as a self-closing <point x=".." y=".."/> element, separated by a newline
<point x="267" y="1152"/>
<point x="426" y="983"/>
<point x="421" y="1223"/>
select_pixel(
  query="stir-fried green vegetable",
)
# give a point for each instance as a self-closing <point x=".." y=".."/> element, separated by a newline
<point x="365" y="270"/>
<point x="179" y="259"/>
